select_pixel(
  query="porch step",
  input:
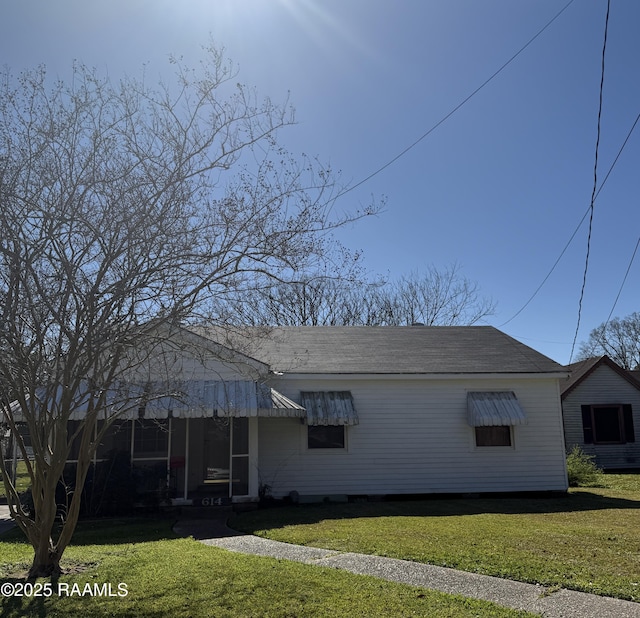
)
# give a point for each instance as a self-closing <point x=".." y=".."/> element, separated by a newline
<point x="209" y="498"/>
<point x="206" y="512"/>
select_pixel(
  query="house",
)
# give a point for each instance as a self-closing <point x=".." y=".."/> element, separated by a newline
<point x="410" y="410"/>
<point x="311" y="412"/>
<point x="601" y="408"/>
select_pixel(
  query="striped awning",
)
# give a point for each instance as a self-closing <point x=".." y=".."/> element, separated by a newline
<point x="188" y="399"/>
<point x="234" y="398"/>
<point x="329" y="408"/>
<point x="485" y="409"/>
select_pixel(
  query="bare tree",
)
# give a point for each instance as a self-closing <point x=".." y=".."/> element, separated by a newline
<point x="124" y="209"/>
<point x="619" y="339"/>
<point x="312" y="301"/>
<point x="437" y="297"/>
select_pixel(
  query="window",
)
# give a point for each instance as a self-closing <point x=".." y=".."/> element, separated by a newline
<point x="325" y="436"/>
<point x="497" y="435"/>
<point x="608" y="424"/>
<point x="492" y="414"/>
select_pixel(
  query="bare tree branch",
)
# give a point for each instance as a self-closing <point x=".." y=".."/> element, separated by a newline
<point x="436" y="298"/>
<point x="123" y="208"/>
<point x="619" y="339"/>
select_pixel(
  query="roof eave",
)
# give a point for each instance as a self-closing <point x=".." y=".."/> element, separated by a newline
<point x="423" y="376"/>
<point x="603" y="360"/>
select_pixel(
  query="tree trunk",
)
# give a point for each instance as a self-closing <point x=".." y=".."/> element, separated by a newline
<point x="46" y="561"/>
<point x="39" y="527"/>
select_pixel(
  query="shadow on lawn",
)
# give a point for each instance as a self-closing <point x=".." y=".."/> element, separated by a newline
<point x="26" y="605"/>
<point x="439" y="506"/>
<point x="116" y="531"/>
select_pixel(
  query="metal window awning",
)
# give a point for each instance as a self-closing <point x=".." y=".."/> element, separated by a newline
<point x="277" y="405"/>
<point x="494" y="408"/>
<point x="329" y="408"/>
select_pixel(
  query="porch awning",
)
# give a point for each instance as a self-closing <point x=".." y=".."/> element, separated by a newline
<point x="189" y="399"/>
<point x="329" y="408"/>
<point x="234" y="398"/>
<point x="494" y="408"/>
<point x="78" y="407"/>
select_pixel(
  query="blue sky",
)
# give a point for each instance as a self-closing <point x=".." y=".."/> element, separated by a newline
<point x="498" y="188"/>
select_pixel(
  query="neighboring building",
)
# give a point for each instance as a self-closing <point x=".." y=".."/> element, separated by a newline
<point x="601" y="410"/>
<point x="347" y="411"/>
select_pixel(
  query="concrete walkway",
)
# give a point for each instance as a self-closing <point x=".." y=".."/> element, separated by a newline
<point x="537" y="599"/>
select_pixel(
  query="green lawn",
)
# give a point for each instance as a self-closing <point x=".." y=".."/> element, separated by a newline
<point x="22" y="478"/>
<point x="168" y="576"/>
<point x="588" y="540"/>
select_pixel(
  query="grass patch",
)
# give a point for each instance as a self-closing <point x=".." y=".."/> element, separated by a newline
<point x="588" y="540"/>
<point x="169" y="576"/>
<point x="23" y="482"/>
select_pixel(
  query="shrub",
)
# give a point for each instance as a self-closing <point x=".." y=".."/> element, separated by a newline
<point x="581" y="469"/>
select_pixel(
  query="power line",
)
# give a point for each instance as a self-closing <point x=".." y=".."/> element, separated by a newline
<point x="601" y="339"/>
<point x="517" y="313"/>
<point x="624" y="280"/>
<point x="584" y="216"/>
<point x="595" y="182"/>
<point x="457" y="107"/>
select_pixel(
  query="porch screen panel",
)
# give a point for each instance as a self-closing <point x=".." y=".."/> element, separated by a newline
<point x="216" y="456"/>
<point x="150" y="460"/>
<point x="240" y="457"/>
<point x="117" y="439"/>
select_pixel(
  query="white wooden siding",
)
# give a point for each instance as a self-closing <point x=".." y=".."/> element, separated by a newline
<point x="603" y="386"/>
<point x="188" y="360"/>
<point x="413" y="437"/>
<point x="189" y="368"/>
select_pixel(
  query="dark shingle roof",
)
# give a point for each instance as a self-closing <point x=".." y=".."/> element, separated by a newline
<point x="578" y="371"/>
<point x="388" y="350"/>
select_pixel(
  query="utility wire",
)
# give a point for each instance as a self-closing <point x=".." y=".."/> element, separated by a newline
<point x="624" y="280"/>
<point x="601" y="339"/>
<point x="586" y="212"/>
<point x="595" y="183"/>
<point x="457" y="107"/>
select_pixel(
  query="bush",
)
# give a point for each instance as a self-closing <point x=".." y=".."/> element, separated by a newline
<point x="581" y="469"/>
